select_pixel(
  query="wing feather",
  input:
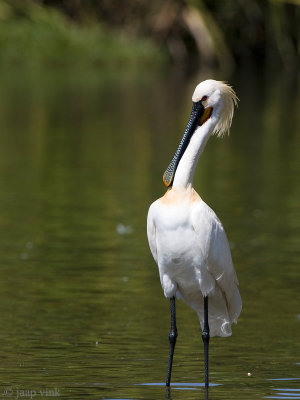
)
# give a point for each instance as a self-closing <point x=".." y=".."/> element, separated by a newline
<point x="151" y="232"/>
<point x="219" y="261"/>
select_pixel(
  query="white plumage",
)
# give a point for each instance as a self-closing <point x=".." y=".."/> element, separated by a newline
<point x="186" y="238"/>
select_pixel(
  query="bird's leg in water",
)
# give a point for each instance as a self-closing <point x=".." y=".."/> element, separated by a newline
<point x="205" y="338"/>
<point x="172" y="340"/>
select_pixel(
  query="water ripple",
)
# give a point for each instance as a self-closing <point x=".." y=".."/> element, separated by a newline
<point x="285" y="393"/>
<point x="179" y="385"/>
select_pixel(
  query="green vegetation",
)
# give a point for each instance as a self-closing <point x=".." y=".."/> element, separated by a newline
<point x="110" y="33"/>
<point x="33" y="35"/>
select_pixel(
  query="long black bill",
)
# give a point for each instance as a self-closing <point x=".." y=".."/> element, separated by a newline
<point x="195" y="116"/>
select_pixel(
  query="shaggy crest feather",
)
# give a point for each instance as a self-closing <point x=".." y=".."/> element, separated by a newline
<point x="218" y="92"/>
<point x="230" y="100"/>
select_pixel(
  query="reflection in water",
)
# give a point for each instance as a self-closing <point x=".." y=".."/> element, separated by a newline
<point x="285" y="393"/>
<point x="81" y="305"/>
<point x="169" y="391"/>
<point x="181" y="386"/>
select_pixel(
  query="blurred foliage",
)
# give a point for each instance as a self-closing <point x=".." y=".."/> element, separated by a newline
<point x="212" y="33"/>
<point x="32" y="34"/>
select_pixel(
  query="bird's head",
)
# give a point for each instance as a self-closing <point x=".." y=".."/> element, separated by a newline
<point x="212" y="100"/>
<point x="218" y="99"/>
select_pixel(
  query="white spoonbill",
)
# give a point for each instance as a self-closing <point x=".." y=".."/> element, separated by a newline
<point x="186" y="238"/>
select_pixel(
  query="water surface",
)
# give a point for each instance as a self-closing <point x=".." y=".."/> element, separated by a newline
<point x="82" y="311"/>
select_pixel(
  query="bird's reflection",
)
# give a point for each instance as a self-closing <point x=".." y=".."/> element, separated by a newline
<point x="205" y="394"/>
<point x="169" y="393"/>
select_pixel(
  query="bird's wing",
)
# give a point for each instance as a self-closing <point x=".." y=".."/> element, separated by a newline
<point x="151" y="232"/>
<point x="218" y="262"/>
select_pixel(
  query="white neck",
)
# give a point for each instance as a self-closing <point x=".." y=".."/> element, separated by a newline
<point x="184" y="174"/>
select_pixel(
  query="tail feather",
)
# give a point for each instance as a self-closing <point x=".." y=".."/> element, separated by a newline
<point x="235" y="305"/>
<point x="221" y="312"/>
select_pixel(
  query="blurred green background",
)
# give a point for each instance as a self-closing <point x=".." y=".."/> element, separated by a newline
<point x="94" y="98"/>
<point x="214" y="33"/>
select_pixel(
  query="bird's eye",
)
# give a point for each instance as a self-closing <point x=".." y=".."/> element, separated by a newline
<point x="204" y="98"/>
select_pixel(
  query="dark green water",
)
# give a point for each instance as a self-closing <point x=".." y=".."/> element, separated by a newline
<point x="82" y="311"/>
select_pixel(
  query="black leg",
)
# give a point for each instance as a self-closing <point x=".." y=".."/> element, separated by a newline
<point x="172" y="340"/>
<point x="205" y="338"/>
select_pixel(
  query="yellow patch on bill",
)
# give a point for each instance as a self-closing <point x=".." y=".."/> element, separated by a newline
<point x="205" y="116"/>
